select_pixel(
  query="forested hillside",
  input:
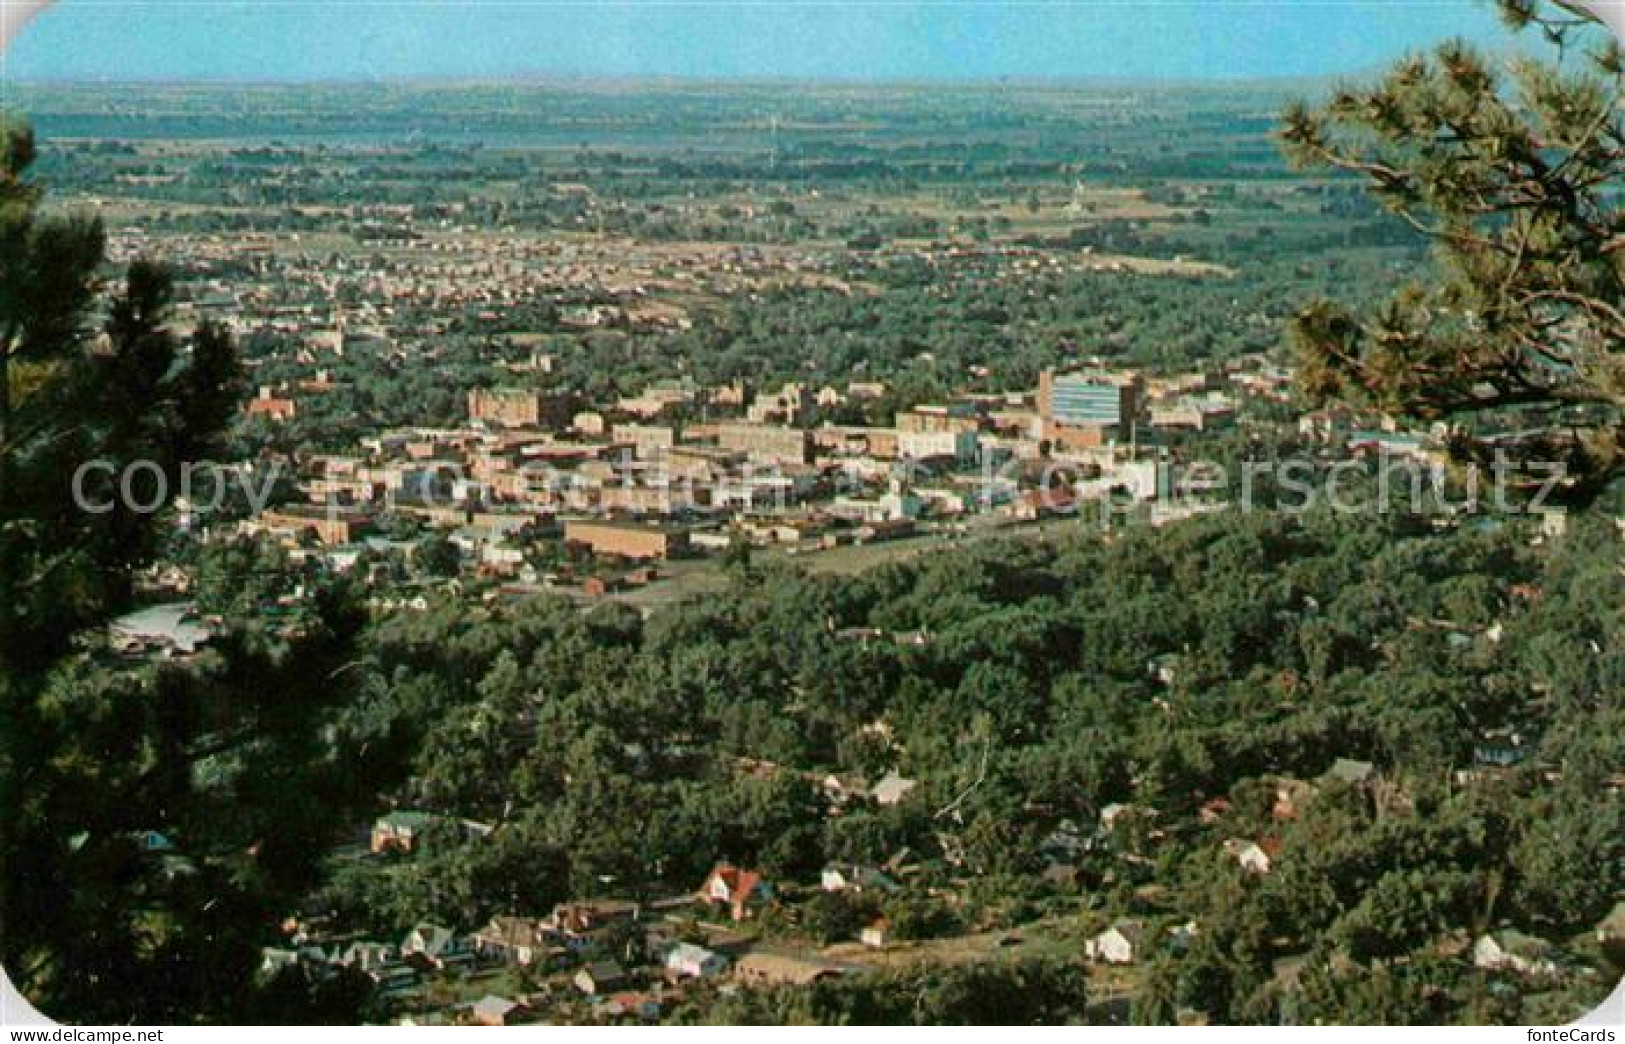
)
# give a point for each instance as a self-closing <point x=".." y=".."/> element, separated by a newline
<point x="1198" y="681"/>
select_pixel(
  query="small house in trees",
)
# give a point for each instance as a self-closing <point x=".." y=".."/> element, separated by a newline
<point x="876" y="934"/>
<point x="1112" y="813"/>
<point x="437" y="946"/>
<point x="840" y="790"/>
<point x="513" y="940"/>
<point x="1512" y="950"/>
<point x="380" y="962"/>
<point x="400" y="831"/>
<point x="736" y="890"/>
<point x="600" y="977"/>
<point x="850" y="877"/>
<point x="1356" y="773"/>
<point x="1500" y="749"/>
<point x="892" y="788"/>
<point x="492" y="1010"/>
<point x="1122" y="943"/>
<point x="369" y="957"/>
<point x="1255" y="857"/>
<point x="1291" y="795"/>
<point x="578" y="924"/>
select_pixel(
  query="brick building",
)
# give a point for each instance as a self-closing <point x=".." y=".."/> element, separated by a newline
<point x="521" y="408"/>
<point x="767" y="443"/>
<point x="626" y="539"/>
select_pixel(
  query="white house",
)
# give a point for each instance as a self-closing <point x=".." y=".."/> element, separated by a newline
<point x="599" y="978"/>
<point x="851" y="877"/>
<point x="694" y="962"/>
<point x="368" y="956"/>
<point x="876" y="934"/>
<point x="1512" y="950"/>
<point x="1110" y="814"/>
<point x="492" y="1010"/>
<point x="892" y="788"/>
<point x="1119" y="944"/>
<point x="1253" y="857"/>
<point x="439" y="946"/>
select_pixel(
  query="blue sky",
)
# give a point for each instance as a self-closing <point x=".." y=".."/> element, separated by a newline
<point x="880" y="39"/>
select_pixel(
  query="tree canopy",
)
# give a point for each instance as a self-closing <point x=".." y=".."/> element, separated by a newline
<point x="157" y="817"/>
<point x="1514" y="337"/>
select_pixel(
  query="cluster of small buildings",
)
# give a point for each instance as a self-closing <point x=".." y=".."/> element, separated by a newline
<point x="278" y="280"/>
<point x="674" y="469"/>
<point x="1133" y="939"/>
<point x="678" y="469"/>
<point x="617" y="958"/>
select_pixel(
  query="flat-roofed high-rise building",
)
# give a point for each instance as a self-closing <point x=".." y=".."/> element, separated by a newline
<point x="1087" y="407"/>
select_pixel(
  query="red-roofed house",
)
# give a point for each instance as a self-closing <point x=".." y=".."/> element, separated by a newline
<point x="736" y="889"/>
<point x="268" y="405"/>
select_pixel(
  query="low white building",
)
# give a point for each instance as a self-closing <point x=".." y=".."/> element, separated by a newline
<point x="958" y="446"/>
<point x="894" y="505"/>
<point x="1250" y="855"/>
<point x="1512" y="950"/>
<point x="851" y="877"/>
<point x="892" y="788"/>
<point x="694" y="962"/>
<point x="1122" y="943"/>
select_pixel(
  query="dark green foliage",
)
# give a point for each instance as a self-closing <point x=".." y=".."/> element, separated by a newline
<point x="1029" y="992"/>
<point x="1515" y="181"/>
<point x="226" y="761"/>
<point x="626" y="756"/>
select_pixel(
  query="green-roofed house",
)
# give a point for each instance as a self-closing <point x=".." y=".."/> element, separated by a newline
<point x="1358" y="773"/>
<point x="400" y="831"/>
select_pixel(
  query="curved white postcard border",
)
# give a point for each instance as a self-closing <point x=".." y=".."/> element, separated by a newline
<point x="14" y="14"/>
